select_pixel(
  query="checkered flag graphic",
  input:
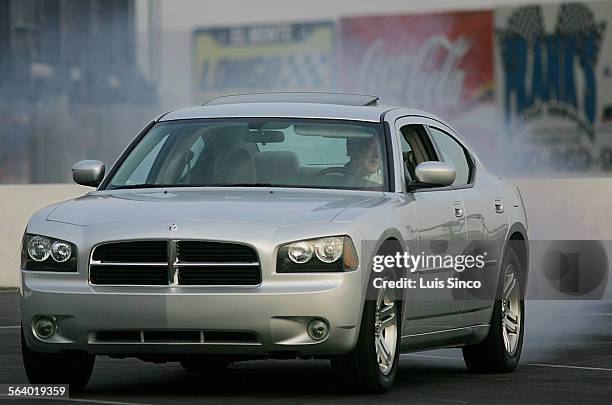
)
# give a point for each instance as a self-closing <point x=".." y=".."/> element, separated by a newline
<point x="579" y="21"/>
<point x="527" y="22"/>
<point x="305" y="71"/>
<point x="575" y="19"/>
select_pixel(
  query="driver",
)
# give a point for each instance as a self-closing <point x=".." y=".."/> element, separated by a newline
<point x="364" y="159"/>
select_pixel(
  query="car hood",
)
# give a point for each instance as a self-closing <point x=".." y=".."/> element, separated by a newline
<point x="264" y="206"/>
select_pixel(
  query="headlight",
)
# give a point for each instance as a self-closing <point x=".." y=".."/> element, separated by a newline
<point x="329" y="249"/>
<point x="39" y="248"/>
<point x="61" y="251"/>
<point x="42" y="253"/>
<point x="330" y="254"/>
<point x="300" y="252"/>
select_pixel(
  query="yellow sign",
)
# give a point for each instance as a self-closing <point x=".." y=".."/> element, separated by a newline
<point x="283" y="57"/>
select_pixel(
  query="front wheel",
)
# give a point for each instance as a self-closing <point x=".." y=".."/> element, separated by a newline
<point x="501" y="350"/>
<point x="72" y="368"/>
<point x="371" y="367"/>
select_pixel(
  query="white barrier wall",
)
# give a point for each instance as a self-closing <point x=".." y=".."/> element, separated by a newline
<point x="568" y="209"/>
<point x="557" y="209"/>
<point x="17" y="204"/>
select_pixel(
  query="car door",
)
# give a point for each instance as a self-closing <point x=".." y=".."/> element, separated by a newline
<point x="441" y="232"/>
<point x="486" y="223"/>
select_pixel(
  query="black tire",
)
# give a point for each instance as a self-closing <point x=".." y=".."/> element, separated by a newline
<point x="491" y="355"/>
<point x="208" y="363"/>
<point x="72" y="368"/>
<point x="358" y="371"/>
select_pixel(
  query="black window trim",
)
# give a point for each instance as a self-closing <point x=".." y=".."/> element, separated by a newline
<point x="388" y="153"/>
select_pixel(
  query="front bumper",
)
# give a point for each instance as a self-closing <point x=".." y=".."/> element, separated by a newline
<point x="276" y="312"/>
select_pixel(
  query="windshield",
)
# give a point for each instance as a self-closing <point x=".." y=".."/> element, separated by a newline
<point x="256" y="153"/>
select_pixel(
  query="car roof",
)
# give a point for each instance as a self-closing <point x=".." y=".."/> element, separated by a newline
<point x="290" y="105"/>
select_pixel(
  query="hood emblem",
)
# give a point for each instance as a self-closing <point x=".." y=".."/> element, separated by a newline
<point x="173" y="227"/>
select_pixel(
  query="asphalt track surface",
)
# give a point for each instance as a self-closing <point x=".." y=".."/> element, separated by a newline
<point x="567" y="358"/>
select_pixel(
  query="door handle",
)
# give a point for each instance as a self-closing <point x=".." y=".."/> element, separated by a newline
<point x="499" y="207"/>
<point x="458" y="211"/>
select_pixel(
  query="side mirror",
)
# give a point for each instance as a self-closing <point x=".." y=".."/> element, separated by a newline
<point x="435" y="174"/>
<point x="88" y="172"/>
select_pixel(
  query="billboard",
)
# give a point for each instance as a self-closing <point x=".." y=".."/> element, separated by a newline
<point x="272" y="57"/>
<point x="441" y="62"/>
<point x="555" y="87"/>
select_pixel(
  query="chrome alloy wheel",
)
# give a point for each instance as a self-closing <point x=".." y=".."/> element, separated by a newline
<point x="385" y="329"/>
<point x="511" y="309"/>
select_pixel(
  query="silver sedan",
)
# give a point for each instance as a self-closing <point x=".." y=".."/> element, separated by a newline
<point x="279" y="226"/>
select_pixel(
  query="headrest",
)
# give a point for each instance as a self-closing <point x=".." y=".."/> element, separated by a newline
<point x="234" y="165"/>
<point x="277" y="167"/>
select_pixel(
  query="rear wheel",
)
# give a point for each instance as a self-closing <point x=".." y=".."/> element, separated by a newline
<point x="371" y="367"/>
<point x="501" y="350"/>
<point x="73" y="368"/>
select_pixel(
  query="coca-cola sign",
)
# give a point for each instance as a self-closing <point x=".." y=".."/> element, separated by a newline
<point x="441" y="62"/>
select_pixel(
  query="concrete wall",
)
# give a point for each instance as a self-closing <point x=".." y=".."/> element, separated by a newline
<point x="568" y="209"/>
<point x="17" y="204"/>
<point x="557" y="209"/>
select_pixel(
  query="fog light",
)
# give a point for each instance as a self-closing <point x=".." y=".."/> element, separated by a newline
<point x="44" y="327"/>
<point x="318" y="329"/>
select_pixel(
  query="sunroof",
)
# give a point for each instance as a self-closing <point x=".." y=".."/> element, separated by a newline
<point x="317" y="98"/>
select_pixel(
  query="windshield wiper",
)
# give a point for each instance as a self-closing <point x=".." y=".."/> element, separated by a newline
<point x="246" y="185"/>
<point x="150" y="185"/>
<point x="251" y="185"/>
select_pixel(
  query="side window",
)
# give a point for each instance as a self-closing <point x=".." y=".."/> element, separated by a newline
<point x="453" y="152"/>
<point x="416" y="147"/>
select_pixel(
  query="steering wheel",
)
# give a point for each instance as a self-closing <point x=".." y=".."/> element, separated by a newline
<point x="335" y="171"/>
<point x="351" y="179"/>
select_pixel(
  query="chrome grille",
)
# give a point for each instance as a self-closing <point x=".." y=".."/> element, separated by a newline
<point x="232" y="274"/>
<point x="215" y="252"/>
<point x="172" y="262"/>
<point x="150" y="251"/>
<point x="128" y="274"/>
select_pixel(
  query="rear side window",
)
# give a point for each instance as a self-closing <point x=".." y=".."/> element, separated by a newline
<point x="453" y="152"/>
